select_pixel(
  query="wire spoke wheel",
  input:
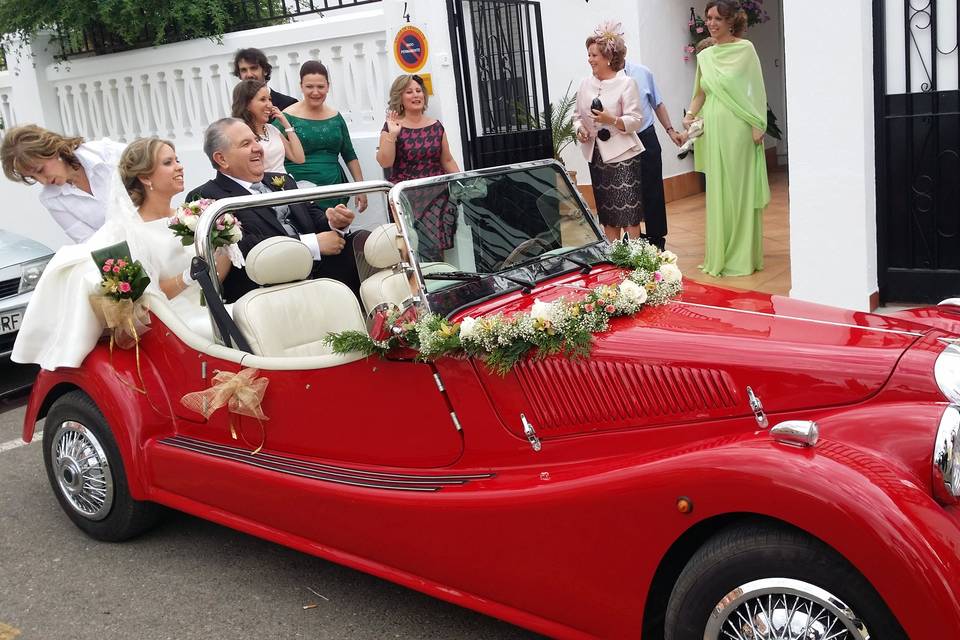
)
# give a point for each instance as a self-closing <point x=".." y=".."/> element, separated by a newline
<point x="82" y="470"/>
<point x="783" y="609"/>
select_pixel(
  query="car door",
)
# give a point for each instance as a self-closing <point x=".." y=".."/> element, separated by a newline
<point x="368" y="412"/>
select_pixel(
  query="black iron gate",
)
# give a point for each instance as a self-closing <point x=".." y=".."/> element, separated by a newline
<point x="501" y="81"/>
<point x="918" y="149"/>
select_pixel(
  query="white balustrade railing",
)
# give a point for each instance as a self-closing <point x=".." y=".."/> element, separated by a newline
<point x="7" y="112"/>
<point x="175" y="91"/>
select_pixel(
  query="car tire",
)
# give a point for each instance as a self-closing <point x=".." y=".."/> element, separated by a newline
<point x="726" y="587"/>
<point x="86" y="472"/>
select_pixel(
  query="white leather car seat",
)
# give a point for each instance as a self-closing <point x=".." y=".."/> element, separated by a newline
<point x="290" y="316"/>
<point x="381" y="251"/>
<point x="386" y="285"/>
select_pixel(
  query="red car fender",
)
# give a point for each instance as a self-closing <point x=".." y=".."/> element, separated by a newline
<point x="945" y="317"/>
<point x="112" y="383"/>
<point x="885" y="524"/>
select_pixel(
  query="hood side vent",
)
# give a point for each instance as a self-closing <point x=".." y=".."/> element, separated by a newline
<point x="575" y="395"/>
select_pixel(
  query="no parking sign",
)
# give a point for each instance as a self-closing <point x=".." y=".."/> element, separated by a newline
<point x="410" y="49"/>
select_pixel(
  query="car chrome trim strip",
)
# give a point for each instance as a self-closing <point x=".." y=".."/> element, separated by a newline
<point x="784" y="317"/>
<point x="324" y="472"/>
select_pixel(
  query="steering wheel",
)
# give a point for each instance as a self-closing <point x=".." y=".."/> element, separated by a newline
<point x="523" y="248"/>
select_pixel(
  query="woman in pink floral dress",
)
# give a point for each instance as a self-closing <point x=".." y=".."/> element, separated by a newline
<point x="413" y="145"/>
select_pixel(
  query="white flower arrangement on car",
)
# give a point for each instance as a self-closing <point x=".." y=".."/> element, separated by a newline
<point x="225" y="234"/>
<point x="562" y="326"/>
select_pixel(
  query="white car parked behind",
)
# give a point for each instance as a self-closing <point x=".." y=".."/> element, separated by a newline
<point x="22" y="260"/>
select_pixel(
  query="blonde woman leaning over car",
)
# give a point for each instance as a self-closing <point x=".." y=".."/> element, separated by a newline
<point x="76" y="175"/>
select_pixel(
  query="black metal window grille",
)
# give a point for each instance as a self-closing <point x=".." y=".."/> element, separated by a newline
<point x="501" y="79"/>
<point x="918" y="148"/>
<point x="505" y="58"/>
<point x="246" y="14"/>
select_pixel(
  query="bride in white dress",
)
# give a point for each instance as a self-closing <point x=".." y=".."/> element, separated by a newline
<point x="59" y="327"/>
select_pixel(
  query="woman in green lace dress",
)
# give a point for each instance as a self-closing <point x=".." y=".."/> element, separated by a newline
<point x="324" y="135"/>
<point x="730" y="97"/>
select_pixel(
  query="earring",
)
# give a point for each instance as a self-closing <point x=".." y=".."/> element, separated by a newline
<point x="150" y="186"/>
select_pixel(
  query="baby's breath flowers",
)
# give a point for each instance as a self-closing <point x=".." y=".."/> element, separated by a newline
<point x="563" y="326"/>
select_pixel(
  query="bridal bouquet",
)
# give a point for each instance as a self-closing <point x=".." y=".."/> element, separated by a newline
<point x="122" y="283"/>
<point x="226" y="233"/>
<point x="123" y="279"/>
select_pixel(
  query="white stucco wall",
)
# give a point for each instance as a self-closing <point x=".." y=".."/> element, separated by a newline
<point x="655" y="32"/>
<point x="833" y="235"/>
<point x="768" y="40"/>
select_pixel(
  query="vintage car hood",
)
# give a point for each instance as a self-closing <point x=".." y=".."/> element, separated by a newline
<point x="694" y="358"/>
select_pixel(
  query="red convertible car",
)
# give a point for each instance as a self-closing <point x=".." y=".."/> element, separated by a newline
<point x="711" y="464"/>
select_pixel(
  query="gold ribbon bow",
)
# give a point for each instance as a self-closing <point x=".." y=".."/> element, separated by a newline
<point x="127" y="320"/>
<point x="240" y="392"/>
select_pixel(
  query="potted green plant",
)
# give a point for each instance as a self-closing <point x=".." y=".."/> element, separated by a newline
<point x="558" y="118"/>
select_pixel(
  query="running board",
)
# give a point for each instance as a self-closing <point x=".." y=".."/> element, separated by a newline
<point x="323" y="472"/>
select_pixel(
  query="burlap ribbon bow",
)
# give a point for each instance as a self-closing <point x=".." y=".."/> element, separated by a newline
<point x="240" y="392"/>
<point x="127" y="319"/>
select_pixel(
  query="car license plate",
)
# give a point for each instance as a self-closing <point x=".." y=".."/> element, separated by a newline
<point x="10" y="320"/>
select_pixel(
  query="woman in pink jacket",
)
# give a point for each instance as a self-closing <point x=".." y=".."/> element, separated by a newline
<point x="607" y="119"/>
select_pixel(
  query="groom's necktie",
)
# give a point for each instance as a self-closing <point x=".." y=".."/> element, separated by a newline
<point x="281" y="210"/>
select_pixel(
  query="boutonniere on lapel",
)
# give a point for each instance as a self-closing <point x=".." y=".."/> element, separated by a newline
<point x="278" y="181"/>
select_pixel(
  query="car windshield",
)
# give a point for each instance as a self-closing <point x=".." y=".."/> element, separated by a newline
<point x="477" y="234"/>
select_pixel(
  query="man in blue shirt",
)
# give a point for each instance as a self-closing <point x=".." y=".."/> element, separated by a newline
<point x="651" y="162"/>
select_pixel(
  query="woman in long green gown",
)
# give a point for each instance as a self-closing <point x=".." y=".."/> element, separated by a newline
<point x="324" y="135"/>
<point x="730" y="97"/>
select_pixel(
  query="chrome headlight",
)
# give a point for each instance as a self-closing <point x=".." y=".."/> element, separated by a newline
<point x="946" y="457"/>
<point x="30" y="273"/>
<point x="946" y="370"/>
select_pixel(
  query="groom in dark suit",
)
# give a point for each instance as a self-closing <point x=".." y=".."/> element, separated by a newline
<point x="234" y="152"/>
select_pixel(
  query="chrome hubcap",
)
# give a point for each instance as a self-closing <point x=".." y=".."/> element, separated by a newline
<point x="82" y="471"/>
<point x="782" y="609"/>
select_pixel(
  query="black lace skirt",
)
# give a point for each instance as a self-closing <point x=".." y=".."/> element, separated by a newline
<point x="617" y="190"/>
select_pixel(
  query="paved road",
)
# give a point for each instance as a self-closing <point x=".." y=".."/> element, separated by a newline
<point x="186" y="579"/>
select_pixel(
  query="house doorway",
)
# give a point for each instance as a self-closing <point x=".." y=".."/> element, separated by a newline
<point x="917" y="87"/>
<point x="501" y="74"/>
<point x="686" y="217"/>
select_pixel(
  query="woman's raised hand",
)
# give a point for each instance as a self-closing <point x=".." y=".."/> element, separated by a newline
<point x="275" y="113"/>
<point x="393" y="124"/>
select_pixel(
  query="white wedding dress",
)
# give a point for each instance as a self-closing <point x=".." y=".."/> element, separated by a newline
<point x="59" y="327"/>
